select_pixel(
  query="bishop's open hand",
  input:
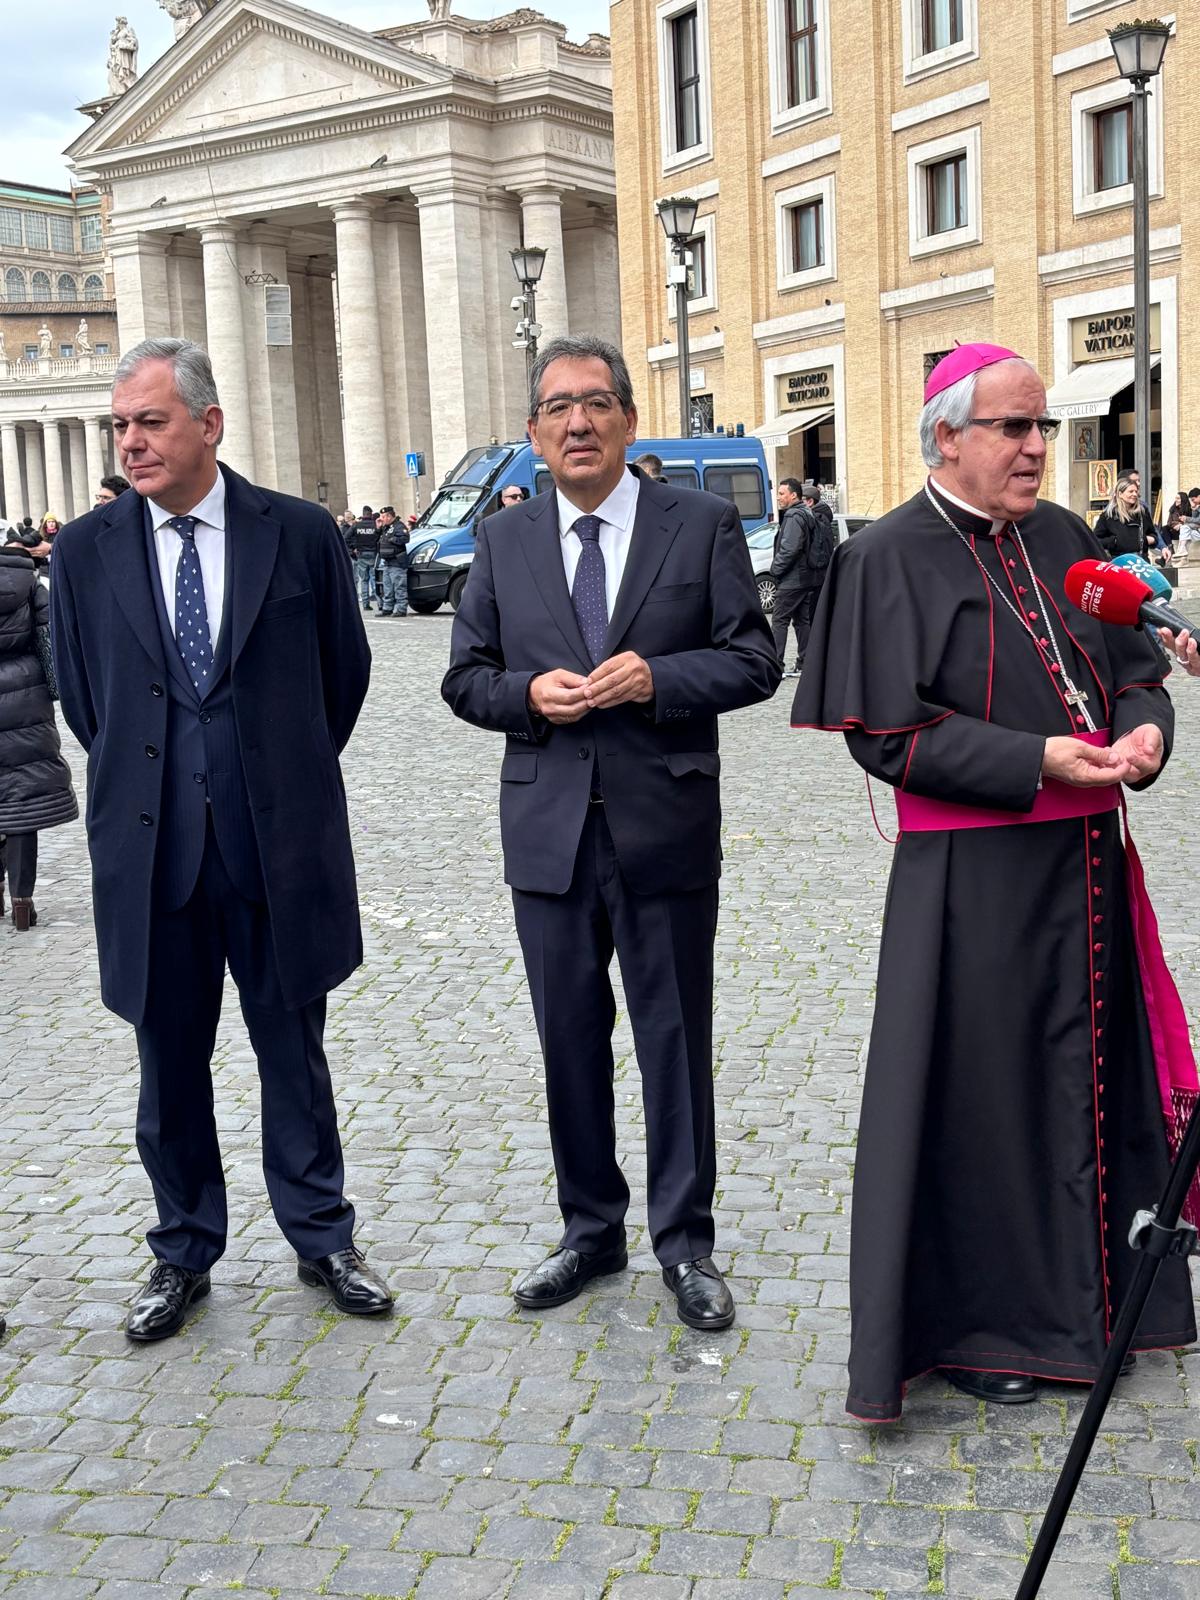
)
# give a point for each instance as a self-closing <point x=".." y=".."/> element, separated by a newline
<point x="1086" y="765"/>
<point x="1142" y="747"/>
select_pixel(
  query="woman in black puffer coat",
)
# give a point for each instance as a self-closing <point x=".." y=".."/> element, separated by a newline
<point x="35" y="781"/>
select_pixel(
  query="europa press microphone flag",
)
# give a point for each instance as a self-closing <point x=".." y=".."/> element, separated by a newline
<point x="1153" y="577"/>
<point x="1114" y="594"/>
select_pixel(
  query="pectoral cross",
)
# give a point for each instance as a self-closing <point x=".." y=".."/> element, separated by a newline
<point x="1074" y="696"/>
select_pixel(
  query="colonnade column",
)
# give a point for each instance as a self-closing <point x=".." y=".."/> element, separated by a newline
<point x="56" y="488"/>
<point x="270" y="368"/>
<point x="140" y="283"/>
<point x="94" y="450"/>
<point x="541" y="224"/>
<point x="368" y="466"/>
<point x="322" y="324"/>
<point x="10" y="458"/>
<point x="81" y="490"/>
<point x="35" y="474"/>
<point x="455" y="320"/>
<point x="223" y="294"/>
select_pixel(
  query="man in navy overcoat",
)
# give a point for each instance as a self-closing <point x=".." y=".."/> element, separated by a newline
<point x="211" y="660"/>
<point x="604" y="627"/>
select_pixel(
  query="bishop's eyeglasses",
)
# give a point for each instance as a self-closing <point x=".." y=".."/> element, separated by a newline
<point x="1018" y="427"/>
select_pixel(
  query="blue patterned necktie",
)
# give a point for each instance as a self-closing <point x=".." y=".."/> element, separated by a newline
<point x="191" y="612"/>
<point x="588" y="594"/>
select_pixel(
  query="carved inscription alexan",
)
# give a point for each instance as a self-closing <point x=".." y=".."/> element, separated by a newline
<point x="571" y="142"/>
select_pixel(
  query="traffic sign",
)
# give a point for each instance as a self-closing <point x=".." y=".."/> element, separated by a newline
<point x="414" y="464"/>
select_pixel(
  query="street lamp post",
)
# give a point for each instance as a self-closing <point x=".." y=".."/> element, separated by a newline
<point x="678" y="217"/>
<point x="1139" y="48"/>
<point x="528" y="262"/>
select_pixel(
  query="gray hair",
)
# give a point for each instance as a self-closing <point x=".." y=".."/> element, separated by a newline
<point x="190" y="367"/>
<point x="581" y="347"/>
<point x="954" y="406"/>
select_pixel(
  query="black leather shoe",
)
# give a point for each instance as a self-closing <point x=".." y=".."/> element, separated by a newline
<point x="564" y="1273"/>
<point x="998" y="1388"/>
<point x="161" y="1308"/>
<point x="1128" y="1365"/>
<point x="355" y="1288"/>
<point x="701" y="1293"/>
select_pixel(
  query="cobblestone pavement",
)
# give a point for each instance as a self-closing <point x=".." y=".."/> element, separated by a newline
<point x="462" y="1451"/>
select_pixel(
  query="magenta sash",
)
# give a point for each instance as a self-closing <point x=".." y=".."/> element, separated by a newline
<point x="1174" y="1061"/>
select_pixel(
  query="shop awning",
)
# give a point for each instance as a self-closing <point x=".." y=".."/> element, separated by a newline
<point x="1088" y="391"/>
<point x="778" y="430"/>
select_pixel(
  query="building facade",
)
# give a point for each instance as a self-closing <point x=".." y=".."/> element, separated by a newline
<point x="880" y="181"/>
<point x="58" y="333"/>
<point x="331" y="213"/>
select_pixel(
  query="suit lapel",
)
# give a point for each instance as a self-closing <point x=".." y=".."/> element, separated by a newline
<point x="542" y="545"/>
<point x="655" y="524"/>
<point x="121" y="545"/>
<point x="257" y="536"/>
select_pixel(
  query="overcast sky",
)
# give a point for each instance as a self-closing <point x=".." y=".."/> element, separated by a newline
<point x="57" y="53"/>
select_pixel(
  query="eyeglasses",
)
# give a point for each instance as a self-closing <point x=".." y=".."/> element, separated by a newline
<point x="1018" y="427"/>
<point x="511" y="499"/>
<point x="597" y="403"/>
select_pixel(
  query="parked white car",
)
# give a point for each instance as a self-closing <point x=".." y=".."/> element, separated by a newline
<point x="762" y="551"/>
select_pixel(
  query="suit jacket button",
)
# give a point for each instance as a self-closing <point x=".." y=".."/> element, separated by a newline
<point x="206" y="716"/>
<point x="197" y="777"/>
<point x="152" y="751"/>
<point x="147" y="820"/>
<point x="584" y="752"/>
<point x="156" y="690"/>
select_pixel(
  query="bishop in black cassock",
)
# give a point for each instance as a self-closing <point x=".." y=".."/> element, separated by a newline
<point x="1012" y="1119"/>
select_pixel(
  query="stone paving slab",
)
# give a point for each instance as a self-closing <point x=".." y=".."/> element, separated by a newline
<point x="463" y="1450"/>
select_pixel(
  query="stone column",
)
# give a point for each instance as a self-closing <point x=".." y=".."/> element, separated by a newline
<point x="185" y="289"/>
<point x="501" y="233"/>
<point x="541" y="224"/>
<point x="10" y="457"/>
<point x="368" y="465"/>
<point x="271" y="369"/>
<point x="36" y="504"/>
<point x="322" y="325"/>
<point x="81" y="493"/>
<point x="606" y="269"/>
<point x="416" y="358"/>
<point x="94" y="449"/>
<point x="455" y="320"/>
<point x="223" y="297"/>
<point x="140" y="285"/>
<point x="56" y="488"/>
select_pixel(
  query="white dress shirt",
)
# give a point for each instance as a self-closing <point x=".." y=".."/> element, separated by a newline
<point x="210" y="547"/>
<point x="616" y="516"/>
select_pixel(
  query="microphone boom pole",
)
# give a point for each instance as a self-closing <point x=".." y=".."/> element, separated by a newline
<point x="1157" y="1234"/>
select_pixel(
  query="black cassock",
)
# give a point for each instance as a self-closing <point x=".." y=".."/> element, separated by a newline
<point x="1011" y="1121"/>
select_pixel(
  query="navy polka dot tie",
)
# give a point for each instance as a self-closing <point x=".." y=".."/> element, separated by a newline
<point x="191" y="613"/>
<point x="588" y="593"/>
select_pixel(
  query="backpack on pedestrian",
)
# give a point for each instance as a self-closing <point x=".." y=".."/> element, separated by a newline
<point x="820" y="544"/>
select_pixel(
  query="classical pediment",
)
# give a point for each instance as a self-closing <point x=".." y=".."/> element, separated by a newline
<point x="253" y="62"/>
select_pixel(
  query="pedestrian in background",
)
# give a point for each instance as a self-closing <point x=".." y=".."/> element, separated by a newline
<point x="607" y="673"/>
<point x="393" y="563"/>
<point x="110" y="488"/>
<point x="364" y="547"/>
<point x="35" y="782"/>
<point x="795" y="589"/>
<point x="513" y="494"/>
<point x="213" y="698"/>
<point x="1124" y="526"/>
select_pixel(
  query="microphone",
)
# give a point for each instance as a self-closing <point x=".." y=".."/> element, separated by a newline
<point x="1114" y="594"/>
<point x="1153" y="577"/>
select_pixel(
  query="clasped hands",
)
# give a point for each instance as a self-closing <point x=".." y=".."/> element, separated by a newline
<point x="563" y="696"/>
<point x="1136" y="755"/>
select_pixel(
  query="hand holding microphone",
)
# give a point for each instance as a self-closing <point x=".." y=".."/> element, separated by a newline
<point x="1113" y="591"/>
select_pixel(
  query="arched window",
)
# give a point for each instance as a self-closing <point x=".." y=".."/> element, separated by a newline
<point x="93" y="287"/>
<point x="39" y="286"/>
<point x="68" y="289"/>
<point x="14" y="284"/>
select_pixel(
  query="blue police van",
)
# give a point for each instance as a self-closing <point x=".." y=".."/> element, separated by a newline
<point x="442" y="546"/>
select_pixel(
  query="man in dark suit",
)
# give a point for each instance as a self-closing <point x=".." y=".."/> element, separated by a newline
<point x="211" y="660"/>
<point x="603" y="629"/>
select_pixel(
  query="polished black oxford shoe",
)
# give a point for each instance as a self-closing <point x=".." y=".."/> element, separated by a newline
<point x="161" y="1308"/>
<point x="564" y="1273"/>
<point x="701" y="1294"/>
<point x="354" y="1287"/>
<point x="997" y="1388"/>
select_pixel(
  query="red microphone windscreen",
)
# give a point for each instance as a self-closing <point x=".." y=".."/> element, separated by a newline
<point x="1103" y="590"/>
